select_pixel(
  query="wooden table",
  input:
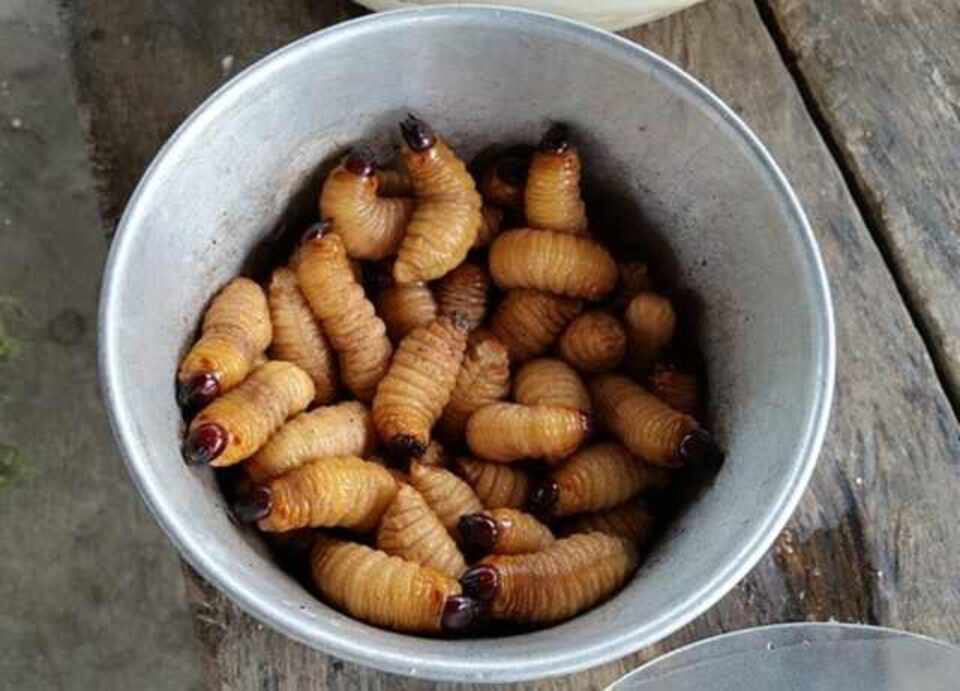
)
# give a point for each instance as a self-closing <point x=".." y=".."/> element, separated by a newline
<point x="859" y="101"/>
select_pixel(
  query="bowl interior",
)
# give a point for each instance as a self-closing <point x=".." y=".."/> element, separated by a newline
<point x="673" y="170"/>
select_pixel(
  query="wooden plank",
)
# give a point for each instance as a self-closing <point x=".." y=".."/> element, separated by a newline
<point x="884" y="76"/>
<point x="90" y="596"/>
<point x="144" y="66"/>
<point x="871" y="539"/>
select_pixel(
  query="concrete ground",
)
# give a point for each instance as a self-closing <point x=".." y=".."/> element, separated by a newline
<point x="90" y="590"/>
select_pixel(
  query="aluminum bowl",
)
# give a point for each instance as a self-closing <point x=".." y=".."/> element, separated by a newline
<point x="676" y="165"/>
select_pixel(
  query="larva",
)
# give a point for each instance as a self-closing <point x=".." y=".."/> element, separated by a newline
<point x="650" y="428"/>
<point x="552" y="198"/>
<point x="568" y="577"/>
<point x="503" y="531"/>
<point x="634" y="279"/>
<point x="343" y="491"/>
<point x="347" y="317"/>
<point x="484" y="378"/>
<point x="445" y="493"/>
<point x="550" y="382"/>
<point x="558" y="263"/>
<point x="633" y="521"/>
<point x="462" y="294"/>
<point x="506" y="432"/>
<point x="404" y="307"/>
<point x="498" y="486"/>
<point x="491" y="221"/>
<point x="593" y="342"/>
<point x="502" y="182"/>
<point x="435" y="455"/>
<point x="527" y="321"/>
<point x="447" y="218"/>
<point x="595" y="478"/>
<point x="676" y="387"/>
<point x="651" y="321"/>
<point x="411" y="530"/>
<point x="236" y="329"/>
<point x="371" y="226"/>
<point x="234" y="426"/>
<point x="394" y="183"/>
<point x="415" y="390"/>
<point x="344" y="429"/>
<point x="297" y="337"/>
<point x="389" y="591"/>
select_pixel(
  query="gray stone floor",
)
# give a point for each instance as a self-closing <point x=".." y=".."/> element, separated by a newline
<point x="90" y="590"/>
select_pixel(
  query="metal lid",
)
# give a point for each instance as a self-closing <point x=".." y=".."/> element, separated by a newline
<point x="803" y="657"/>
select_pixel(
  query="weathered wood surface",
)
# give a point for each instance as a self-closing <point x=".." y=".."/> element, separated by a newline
<point x="144" y="65"/>
<point x="872" y="539"/>
<point x="884" y="78"/>
<point x="89" y="596"/>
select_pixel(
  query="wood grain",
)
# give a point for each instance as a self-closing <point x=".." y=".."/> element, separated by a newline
<point x="886" y="480"/>
<point x="871" y="541"/>
<point x="144" y="65"/>
<point x="90" y="595"/>
<point x="884" y="77"/>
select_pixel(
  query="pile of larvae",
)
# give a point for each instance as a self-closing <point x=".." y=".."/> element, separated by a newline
<point x="452" y="393"/>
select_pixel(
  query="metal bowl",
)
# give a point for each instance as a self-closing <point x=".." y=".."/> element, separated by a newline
<point x="676" y="166"/>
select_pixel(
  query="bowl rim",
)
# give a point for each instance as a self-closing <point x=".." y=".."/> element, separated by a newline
<point x="782" y="635"/>
<point x="758" y="538"/>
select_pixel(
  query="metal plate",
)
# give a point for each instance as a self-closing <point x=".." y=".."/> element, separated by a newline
<point x="804" y="657"/>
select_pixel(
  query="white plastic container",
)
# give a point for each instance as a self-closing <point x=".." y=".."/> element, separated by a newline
<point x="613" y="15"/>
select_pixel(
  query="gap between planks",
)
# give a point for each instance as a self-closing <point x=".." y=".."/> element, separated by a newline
<point x="860" y="195"/>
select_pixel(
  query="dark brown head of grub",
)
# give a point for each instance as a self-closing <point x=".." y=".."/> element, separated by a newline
<point x="418" y="135"/>
<point x="315" y="231"/>
<point x="461" y="614"/>
<point x="481" y="582"/>
<point x="556" y="140"/>
<point x="478" y="534"/>
<point x="195" y="393"/>
<point x="700" y="449"/>
<point x="253" y="505"/>
<point x="204" y="443"/>
<point x="361" y="161"/>
<point x="405" y="447"/>
<point x="544" y="497"/>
